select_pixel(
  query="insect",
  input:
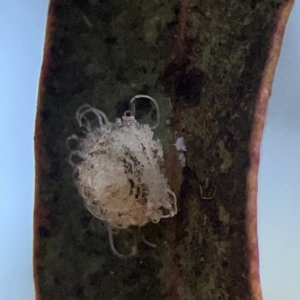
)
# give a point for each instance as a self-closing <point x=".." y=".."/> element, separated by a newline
<point x="119" y="170"/>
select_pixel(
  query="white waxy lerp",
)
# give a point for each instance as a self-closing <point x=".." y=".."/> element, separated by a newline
<point x="119" y="171"/>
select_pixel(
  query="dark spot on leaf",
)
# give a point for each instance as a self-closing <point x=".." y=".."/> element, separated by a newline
<point x="183" y="82"/>
<point x="44" y="232"/>
<point x="79" y="290"/>
<point x="111" y="40"/>
<point x="188" y="87"/>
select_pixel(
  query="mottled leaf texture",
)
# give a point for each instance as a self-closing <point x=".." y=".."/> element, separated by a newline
<point x="210" y="66"/>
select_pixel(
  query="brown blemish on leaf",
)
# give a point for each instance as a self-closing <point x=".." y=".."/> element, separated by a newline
<point x="183" y="91"/>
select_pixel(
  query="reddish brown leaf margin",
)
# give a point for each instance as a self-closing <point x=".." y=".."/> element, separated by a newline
<point x="41" y="162"/>
<point x="254" y="147"/>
